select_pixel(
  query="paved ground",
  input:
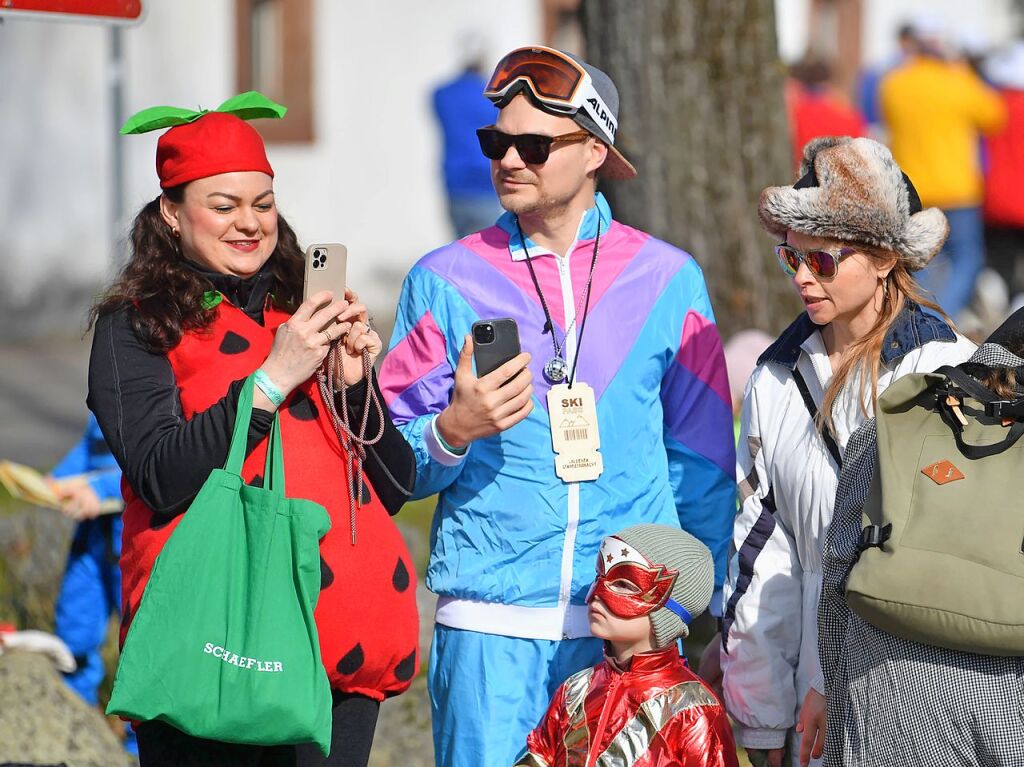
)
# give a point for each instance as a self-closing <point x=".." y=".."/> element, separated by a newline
<point x="42" y="413"/>
<point x="42" y="399"/>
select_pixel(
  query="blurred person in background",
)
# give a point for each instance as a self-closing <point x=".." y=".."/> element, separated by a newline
<point x="741" y="354"/>
<point x="871" y="78"/>
<point x="1004" y="198"/>
<point x="936" y="111"/>
<point x="461" y="108"/>
<point x="211" y="295"/>
<point x="853" y="232"/>
<point x="622" y="318"/>
<point x="90" y="591"/>
<point x="817" y="108"/>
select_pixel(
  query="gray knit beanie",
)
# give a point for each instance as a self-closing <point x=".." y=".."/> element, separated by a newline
<point x="852" y="190"/>
<point x="677" y="550"/>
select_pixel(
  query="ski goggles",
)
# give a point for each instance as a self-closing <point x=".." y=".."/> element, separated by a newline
<point x="533" y="148"/>
<point x="557" y="83"/>
<point x="630" y="586"/>
<point x="823" y="262"/>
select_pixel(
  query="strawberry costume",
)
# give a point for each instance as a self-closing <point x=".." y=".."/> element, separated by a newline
<point x="166" y="404"/>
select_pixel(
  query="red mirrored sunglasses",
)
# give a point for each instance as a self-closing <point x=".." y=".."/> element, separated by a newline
<point x="822" y="262"/>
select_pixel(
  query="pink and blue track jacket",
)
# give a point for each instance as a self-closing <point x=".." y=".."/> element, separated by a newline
<point x="512" y="546"/>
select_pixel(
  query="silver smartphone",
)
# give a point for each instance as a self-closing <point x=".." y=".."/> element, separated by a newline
<point x="326" y="264"/>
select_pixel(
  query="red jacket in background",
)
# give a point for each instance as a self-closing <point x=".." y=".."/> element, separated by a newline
<point x="656" y="713"/>
<point x="1004" y="180"/>
<point x="815" y="112"/>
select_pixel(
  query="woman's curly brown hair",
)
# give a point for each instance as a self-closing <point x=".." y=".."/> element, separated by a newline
<point x="167" y="296"/>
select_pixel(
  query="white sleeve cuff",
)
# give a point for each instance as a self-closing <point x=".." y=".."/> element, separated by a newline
<point x="753" y="737"/>
<point x="436" y="448"/>
<point x="818" y="683"/>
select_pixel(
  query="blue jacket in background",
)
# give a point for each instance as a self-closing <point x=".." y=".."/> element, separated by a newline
<point x="92" y="456"/>
<point x="461" y="108"/>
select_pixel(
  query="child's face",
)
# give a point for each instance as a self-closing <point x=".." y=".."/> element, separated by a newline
<point x="628" y="585"/>
<point x="604" y="624"/>
<point x="627" y="590"/>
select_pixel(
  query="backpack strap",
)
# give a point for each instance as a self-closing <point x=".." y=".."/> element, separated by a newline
<point x="826" y="433"/>
<point x="874" y="536"/>
<point x="994" y="406"/>
<point x="876" y="533"/>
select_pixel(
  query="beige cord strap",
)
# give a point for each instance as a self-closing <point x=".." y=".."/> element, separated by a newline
<point x="354" y="444"/>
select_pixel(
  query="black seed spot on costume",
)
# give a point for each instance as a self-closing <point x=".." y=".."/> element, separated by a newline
<point x="302" y="407"/>
<point x="352" y="662"/>
<point x="405" y="669"/>
<point x="365" y="494"/>
<point x="400" y="578"/>
<point x="257" y="481"/>
<point x="126" y="618"/>
<point x="233" y="344"/>
<point x="326" y="575"/>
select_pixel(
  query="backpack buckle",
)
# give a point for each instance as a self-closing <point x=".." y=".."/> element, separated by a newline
<point x="1006" y="410"/>
<point x="873" y="536"/>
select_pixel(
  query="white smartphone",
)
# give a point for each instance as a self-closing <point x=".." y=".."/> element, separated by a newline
<point x="326" y="264"/>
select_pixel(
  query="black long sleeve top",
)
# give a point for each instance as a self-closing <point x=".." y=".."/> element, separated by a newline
<point x="166" y="458"/>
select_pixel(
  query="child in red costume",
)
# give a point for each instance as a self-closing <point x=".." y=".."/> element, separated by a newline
<point x="642" y="706"/>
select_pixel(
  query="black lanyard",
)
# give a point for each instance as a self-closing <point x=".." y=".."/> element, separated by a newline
<point x="549" y="326"/>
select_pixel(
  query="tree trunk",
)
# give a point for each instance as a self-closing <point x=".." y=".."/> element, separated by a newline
<point x="702" y="118"/>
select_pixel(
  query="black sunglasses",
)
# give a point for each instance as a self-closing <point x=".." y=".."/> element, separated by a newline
<point x="533" y="148"/>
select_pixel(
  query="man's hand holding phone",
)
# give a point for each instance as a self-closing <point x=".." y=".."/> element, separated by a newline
<point x="481" y="407"/>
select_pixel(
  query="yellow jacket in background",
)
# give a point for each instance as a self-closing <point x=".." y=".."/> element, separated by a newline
<point x="935" y="112"/>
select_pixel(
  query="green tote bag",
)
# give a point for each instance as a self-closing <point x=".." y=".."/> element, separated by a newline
<point x="223" y="644"/>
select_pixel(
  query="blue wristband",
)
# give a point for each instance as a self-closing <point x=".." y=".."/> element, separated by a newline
<point x="262" y="380"/>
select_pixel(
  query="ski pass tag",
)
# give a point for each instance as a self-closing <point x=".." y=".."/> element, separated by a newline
<point x="574" y="435"/>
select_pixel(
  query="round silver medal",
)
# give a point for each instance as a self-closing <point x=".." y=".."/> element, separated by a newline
<point x="556" y="370"/>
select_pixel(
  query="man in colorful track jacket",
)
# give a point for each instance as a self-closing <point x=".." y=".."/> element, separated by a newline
<point x="598" y="304"/>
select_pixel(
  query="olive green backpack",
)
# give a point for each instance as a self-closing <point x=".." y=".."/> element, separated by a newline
<point x="942" y="549"/>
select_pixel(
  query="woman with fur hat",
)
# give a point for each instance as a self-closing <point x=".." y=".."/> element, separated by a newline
<point x="852" y="234"/>
<point x="894" y="701"/>
<point x="212" y="294"/>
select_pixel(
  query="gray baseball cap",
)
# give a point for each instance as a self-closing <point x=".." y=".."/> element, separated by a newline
<point x="598" y="113"/>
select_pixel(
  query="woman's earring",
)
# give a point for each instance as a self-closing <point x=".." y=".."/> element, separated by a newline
<point x="176" y="233"/>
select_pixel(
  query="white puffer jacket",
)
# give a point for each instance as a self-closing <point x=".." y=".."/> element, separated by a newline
<point x="787" y="492"/>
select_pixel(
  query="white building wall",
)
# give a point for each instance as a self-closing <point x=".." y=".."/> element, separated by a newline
<point x="370" y="180"/>
<point x="987" y="19"/>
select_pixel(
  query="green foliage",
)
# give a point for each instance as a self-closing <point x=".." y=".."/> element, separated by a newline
<point x="415" y="519"/>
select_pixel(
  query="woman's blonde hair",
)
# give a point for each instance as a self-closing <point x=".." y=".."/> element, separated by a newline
<point x="865" y="354"/>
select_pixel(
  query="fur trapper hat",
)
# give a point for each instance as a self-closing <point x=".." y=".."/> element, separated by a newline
<point x="852" y="190"/>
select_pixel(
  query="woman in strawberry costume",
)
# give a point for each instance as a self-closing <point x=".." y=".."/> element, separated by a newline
<point x="213" y="292"/>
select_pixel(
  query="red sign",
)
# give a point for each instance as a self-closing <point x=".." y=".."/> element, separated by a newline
<point x="102" y="11"/>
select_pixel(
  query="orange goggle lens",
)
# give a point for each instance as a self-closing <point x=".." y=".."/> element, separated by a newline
<point x="552" y="76"/>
